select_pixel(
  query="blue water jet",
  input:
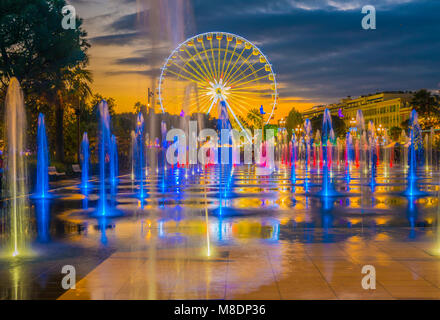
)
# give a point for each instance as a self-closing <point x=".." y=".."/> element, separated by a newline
<point x="139" y="155"/>
<point x="114" y="164"/>
<point x="104" y="157"/>
<point x="42" y="184"/>
<point x="328" y="189"/>
<point x="293" y="167"/>
<point x="415" y="148"/>
<point x="42" y="215"/>
<point x="85" y="156"/>
<point x="373" y="162"/>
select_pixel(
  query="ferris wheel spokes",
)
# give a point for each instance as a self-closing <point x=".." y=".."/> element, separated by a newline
<point x="214" y="101"/>
<point x="238" y="121"/>
<point x="221" y="68"/>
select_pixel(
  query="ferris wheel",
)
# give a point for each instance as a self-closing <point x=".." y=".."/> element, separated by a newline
<point x="214" y="70"/>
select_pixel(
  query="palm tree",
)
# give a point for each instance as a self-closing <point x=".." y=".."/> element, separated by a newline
<point x="428" y="108"/>
<point x="77" y="89"/>
<point x="254" y="118"/>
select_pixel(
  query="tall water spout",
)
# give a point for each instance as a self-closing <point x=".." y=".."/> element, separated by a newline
<point x="104" y="144"/>
<point x="42" y="215"/>
<point x="415" y="148"/>
<point x="114" y="163"/>
<point x="360" y="122"/>
<point x="164" y="142"/>
<point x="139" y="155"/>
<point x="327" y="135"/>
<point x="133" y="157"/>
<point x="85" y="156"/>
<point x="349" y="150"/>
<point x="361" y="141"/>
<point x="372" y="144"/>
<point x="17" y="210"/>
<point x="308" y="140"/>
<point x="42" y="183"/>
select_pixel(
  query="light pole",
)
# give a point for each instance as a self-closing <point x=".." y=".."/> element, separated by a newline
<point x="150" y="96"/>
<point x="352" y="125"/>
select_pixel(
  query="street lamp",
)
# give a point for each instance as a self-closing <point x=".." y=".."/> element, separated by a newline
<point x="380" y="129"/>
<point x="150" y="95"/>
<point x="353" y="125"/>
<point x="282" y="123"/>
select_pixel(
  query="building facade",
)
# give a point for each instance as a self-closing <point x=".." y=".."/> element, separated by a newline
<point x="388" y="109"/>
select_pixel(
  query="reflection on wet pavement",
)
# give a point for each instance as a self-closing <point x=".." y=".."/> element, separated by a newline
<point x="227" y="233"/>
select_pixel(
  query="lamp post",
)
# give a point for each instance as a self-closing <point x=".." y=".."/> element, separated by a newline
<point x="150" y="96"/>
<point x="380" y="129"/>
<point x="352" y="125"/>
<point x="282" y="123"/>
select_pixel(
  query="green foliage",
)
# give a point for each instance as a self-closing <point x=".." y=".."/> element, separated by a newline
<point x="33" y="45"/>
<point x="339" y="127"/>
<point x="140" y="107"/>
<point x="97" y="98"/>
<point x="45" y="58"/>
<point x="293" y="120"/>
<point x="254" y="119"/>
<point x="395" y="133"/>
<point x="273" y="127"/>
<point x="428" y="109"/>
<point x="123" y="124"/>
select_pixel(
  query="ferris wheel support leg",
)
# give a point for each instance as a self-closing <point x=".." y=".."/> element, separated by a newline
<point x="212" y="104"/>
<point x="238" y="121"/>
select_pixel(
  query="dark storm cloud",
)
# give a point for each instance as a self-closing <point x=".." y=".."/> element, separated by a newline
<point x="136" y="61"/>
<point x="128" y="22"/>
<point x="116" y="39"/>
<point x="322" y="51"/>
<point x="143" y="57"/>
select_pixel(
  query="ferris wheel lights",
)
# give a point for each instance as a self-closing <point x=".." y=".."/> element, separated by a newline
<point x="229" y="37"/>
<point x="271" y="77"/>
<point x="247" y="46"/>
<point x="255" y="52"/>
<point x="267" y="67"/>
<point x="239" y="41"/>
<point x="200" y="39"/>
<point x="262" y="59"/>
<point x="209" y="36"/>
<point x="191" y="43"/>
<point x="219" y="36"/>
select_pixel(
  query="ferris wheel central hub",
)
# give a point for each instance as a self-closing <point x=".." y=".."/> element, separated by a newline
<point x="218" y="90"/>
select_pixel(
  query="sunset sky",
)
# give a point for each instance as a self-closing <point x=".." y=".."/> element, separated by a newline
<point x="318" y="49"/>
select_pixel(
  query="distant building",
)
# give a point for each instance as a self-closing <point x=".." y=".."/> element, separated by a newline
<point x="388" y="109"/>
